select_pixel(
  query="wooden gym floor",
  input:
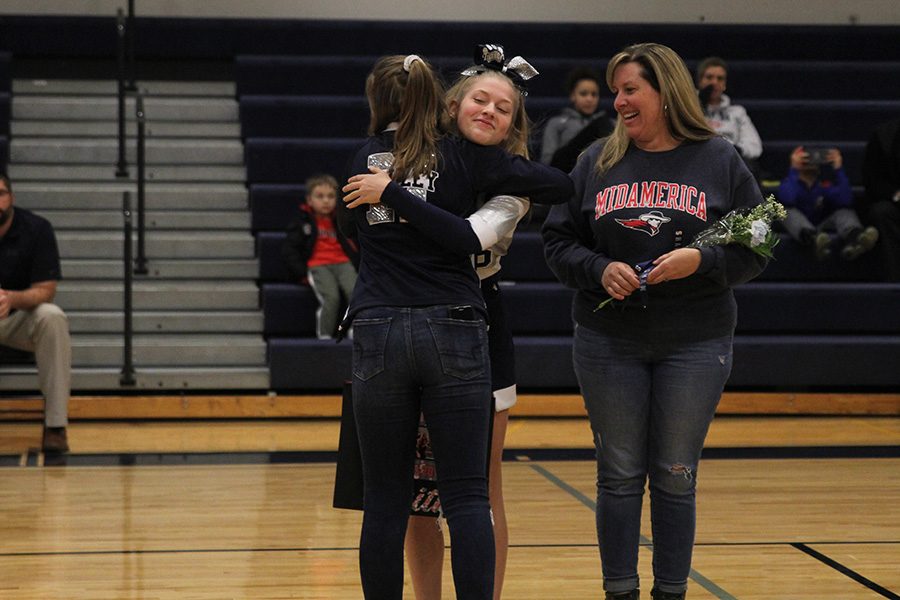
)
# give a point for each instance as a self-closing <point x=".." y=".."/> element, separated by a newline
<point x="789" y="507"/>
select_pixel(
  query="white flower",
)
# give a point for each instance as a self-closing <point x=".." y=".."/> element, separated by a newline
<point x="758" y="232"/>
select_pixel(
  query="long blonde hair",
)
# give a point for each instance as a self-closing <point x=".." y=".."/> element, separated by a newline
<point x="666" y="72"/>
<point x="516" y="141"/>
<point x="406" y="90"/>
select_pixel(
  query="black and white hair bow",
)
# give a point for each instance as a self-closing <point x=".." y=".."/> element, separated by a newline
<point x="491" y="57"/>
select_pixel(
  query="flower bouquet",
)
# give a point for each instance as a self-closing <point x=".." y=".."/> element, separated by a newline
<point x="749" y="227"/>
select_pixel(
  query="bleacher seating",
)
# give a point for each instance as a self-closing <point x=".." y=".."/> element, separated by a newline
<point x="292" y="160"/>
<point x="4" y="152"/>
<point x="304" y="116"/>
<point x="5" y="112"/>
<point x="5" y="73"/>
<point x="802" y="325"/>
<point x="283" y="112"/>
<point x="173" y="37"/>
<point x="272" y="206"/>
<point x="5" y="108"/>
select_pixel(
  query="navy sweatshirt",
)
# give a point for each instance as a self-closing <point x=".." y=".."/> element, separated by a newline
<point x="402" y="266"/>
<point x="646" y="205"/>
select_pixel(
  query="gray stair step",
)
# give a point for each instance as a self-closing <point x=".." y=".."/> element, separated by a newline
<point x="167" y="173"/>
<point x="196" y="269"/>
<point x="153" y="220"/>
<point x="107" y="87"/>
<point x="87" y="379"/>
<point x="167" y="322"/>
<point x="189" y="378"/>
<point x="92" y="108"/>
<point x="40" y="196"/>
<point x="78" y="151"/>
<point x="110" y="129"/>
<point x="170" y="350"/>
<point x="159" y="244"/>
<point x="158" y="295"/>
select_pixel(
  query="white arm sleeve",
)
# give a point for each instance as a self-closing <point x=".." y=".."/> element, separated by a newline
<point x="497" y="218"/>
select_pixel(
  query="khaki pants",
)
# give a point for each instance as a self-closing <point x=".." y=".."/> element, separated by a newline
<point x="45" y="331"/>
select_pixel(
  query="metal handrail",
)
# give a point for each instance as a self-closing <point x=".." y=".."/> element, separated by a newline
<point x="122" y="164"/>
<point x="127" y="377"/>
<point x="140" y="263"/>
<point x="129" y="32"/>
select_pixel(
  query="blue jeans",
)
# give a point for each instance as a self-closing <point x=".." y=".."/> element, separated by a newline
<point x="407" y="360"/>
<point x="650" y="407"/>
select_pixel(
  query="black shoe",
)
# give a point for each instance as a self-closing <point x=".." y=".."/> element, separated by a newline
<point x="632" y="595"/>
<point x="55" y="440"/>
<point x="658" y="595"/>
<point x="863" y="242"/>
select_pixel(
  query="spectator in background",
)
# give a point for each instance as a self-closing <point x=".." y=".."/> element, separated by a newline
<point x="728" y="120"/>
<point x="881" y="205"/>
<point x="29" y="272"/>
<point x="570" y="132"/>
<point x="317" y="253"/>
<point x="818" y="198"/>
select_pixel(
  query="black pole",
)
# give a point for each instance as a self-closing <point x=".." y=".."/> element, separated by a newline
<point x="140" y="265"/>
<point x="122" y="165"/>
<point x="130" y="32"/>
<point x="127" y="377"/>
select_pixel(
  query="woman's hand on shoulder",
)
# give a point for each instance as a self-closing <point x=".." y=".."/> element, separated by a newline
<point x="365" y="188"/>
<point x="677" y="264"/>
<point x="619" y="280"/>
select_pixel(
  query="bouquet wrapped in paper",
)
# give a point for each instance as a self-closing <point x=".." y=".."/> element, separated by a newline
<point x="748" y="227"/>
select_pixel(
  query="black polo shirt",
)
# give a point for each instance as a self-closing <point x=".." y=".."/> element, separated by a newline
<point x="28" y="252"/>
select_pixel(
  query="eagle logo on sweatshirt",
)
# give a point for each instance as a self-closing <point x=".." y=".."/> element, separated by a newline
<point x="648" y="222"/>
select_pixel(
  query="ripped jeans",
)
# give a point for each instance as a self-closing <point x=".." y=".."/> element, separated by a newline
<point x="650" y="406"/>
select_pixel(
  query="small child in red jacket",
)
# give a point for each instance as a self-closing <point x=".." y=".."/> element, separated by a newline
<point x="317" y="253"/>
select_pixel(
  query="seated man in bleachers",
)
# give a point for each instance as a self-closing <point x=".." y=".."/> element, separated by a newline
<point x="731" y="121"/>
<point x="818" y="198"/>
<point x="29" y="271"/>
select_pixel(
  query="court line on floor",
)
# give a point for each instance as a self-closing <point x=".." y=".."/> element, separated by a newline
<point x="125" y="551"/>
<point x="846" y="571"/>
<point x="724" y="452"/>
<point x="122" y="459"/>
<point x="698" y="577"/>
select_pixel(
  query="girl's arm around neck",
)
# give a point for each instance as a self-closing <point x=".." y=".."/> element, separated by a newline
<point x="500" y="173"/>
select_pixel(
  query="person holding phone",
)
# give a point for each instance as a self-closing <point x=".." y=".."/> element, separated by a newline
<point x="819" y="200"/>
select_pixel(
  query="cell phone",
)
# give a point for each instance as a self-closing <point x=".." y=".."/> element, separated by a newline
<point x="817" y="156"/>
<point x="462" y="313"/>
